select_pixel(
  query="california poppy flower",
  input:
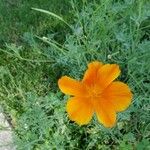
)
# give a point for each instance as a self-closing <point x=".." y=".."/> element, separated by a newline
<point x="96" y="93"/>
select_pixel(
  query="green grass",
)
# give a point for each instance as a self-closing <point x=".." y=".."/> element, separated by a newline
<point x="17" y="18"/>
<point x="30" y="66"/>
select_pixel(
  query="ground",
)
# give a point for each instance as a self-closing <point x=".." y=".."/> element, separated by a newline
<point x="6" y="141"/>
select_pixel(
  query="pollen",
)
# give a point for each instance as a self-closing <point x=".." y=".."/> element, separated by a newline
<point x="94" y="92"/>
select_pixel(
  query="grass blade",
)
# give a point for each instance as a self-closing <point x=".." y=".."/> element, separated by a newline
<point x="51" y="14"/>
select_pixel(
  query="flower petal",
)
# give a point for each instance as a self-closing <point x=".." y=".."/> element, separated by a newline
<point x="70" y="86"/>
<point x="105" y="113"/>
<point x="107" y="74"/>
<point x="119" y="95"/>
<point x="79" y="110"/>
<point x="90" y="75"/>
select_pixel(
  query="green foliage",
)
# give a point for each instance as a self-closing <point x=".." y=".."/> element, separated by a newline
<point x="108" y="31"/>
<point x="17" y="17"/>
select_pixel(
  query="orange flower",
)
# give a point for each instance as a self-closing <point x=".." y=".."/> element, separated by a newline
<point x="96" y="93"/>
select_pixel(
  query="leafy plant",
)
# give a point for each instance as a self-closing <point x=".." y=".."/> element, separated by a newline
<point x="108" y="31"/>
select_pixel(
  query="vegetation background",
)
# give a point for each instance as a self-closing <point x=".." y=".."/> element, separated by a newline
<point x="36" y="49"/>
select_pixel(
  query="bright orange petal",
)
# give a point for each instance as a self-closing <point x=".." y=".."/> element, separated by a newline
<point x="107" y="74"/>
<point x="90" y="75"/>
<point x="70" y="86"/>
<point x="105" y="113"/>
<point x="119" y="95"/>
<point x="79" y="110"/>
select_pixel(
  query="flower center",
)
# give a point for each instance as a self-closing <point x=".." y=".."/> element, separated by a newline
<point x="94" y="92"/>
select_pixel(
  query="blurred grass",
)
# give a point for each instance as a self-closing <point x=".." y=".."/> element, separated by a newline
<point x="108" y="31"/>
<point x="17" y="18"/>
